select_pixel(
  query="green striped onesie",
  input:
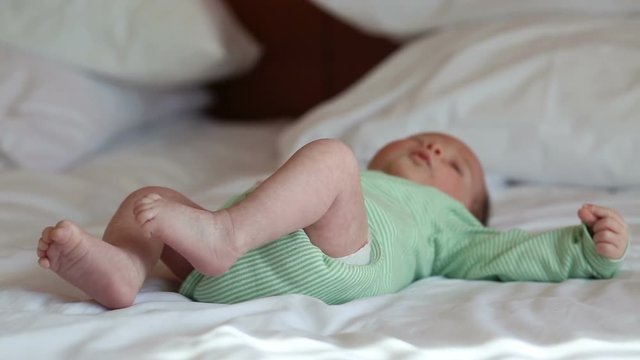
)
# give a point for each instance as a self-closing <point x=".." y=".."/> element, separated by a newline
<point x="415" y="231"/>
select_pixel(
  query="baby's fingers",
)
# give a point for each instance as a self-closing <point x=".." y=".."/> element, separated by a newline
<point x="610" y="244"/>
<point x="590" y="213"/>
<point x="586" y="215"/>
<point x="605" y="212"/>
<point x="610" y="223"/>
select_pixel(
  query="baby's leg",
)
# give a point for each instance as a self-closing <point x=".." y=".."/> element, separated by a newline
<point x="97" y="268"/>
<point x="124" y="232"/>
<point x="317" y="190"/>
<point x="110" y="271"/>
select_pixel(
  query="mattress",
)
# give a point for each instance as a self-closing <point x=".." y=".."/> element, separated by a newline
<point x="208" y="160"/>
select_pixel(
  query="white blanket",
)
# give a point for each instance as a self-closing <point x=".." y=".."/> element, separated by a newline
<point x="42" y="317"/>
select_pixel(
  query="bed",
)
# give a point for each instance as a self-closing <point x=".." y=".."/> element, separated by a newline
<point x="536" y="102"/>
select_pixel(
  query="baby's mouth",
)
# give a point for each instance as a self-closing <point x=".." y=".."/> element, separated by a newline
<point x="421" y="157"/>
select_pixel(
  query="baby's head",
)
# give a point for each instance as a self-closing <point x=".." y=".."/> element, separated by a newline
<point x="441" y="161"/>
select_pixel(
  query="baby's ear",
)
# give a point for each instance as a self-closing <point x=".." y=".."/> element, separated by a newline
<point x="481" y="208"/>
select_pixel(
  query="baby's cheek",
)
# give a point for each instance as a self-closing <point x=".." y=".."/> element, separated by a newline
<point x="392" y="148"/>
<point x="386" y="154"/>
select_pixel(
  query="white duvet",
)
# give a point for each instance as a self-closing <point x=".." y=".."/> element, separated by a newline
<point x="42" y="317"/>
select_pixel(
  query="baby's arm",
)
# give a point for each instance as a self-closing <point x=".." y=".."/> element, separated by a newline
<point x="592" y="249"/>
<point x="609" y="230"/>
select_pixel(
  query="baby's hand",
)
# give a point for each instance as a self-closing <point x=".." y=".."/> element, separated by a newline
<point x="610" y="232"/>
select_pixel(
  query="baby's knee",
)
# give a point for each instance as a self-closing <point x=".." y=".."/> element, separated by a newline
<point x="328" y="145"/>
<point x="337" y="153"/>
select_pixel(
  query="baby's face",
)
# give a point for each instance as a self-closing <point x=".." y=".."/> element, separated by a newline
<point x="436" y="160"/>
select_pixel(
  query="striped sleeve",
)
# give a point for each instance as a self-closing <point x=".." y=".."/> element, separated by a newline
<point x="516" y="255"/>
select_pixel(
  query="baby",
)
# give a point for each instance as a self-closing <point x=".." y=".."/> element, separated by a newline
<point x="321" y="227"/>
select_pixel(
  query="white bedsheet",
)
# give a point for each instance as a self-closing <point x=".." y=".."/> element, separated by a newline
<point x="43" y="317"/>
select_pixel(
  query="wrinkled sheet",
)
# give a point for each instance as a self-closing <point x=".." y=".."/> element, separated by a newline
<point x="43" y="317"/>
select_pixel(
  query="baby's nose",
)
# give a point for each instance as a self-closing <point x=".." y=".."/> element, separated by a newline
<point x="434" y="148"/>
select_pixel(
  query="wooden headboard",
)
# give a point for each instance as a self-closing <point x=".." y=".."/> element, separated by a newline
<point x="308" y="56"/>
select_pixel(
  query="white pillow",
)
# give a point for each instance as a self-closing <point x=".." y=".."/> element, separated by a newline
<point x="149" y="42"/>
<point x="402" y="19"/>
<point x="51" y="116"/>
<point x="538" y="100"/>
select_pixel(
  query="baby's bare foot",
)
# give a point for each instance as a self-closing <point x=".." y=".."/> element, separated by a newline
<point x="204" y="238"/>
<point x="60" y="247"/>
<point x="88" y="263"/>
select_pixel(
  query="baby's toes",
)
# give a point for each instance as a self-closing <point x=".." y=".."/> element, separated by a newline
<point x="44" y="263"/>
<point x="149" y="198"/>
<point x="146" y="202"/>
<point x="42" y="246"/>
<point x="145" y="219"/>
<point x="145" y="213"/>
<point x="140" y="208"/>
<point x="45" y="233"/>
<point x="61" y="233"/>
<point x="146" y="209"/>
<point x="42" y="254"/>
